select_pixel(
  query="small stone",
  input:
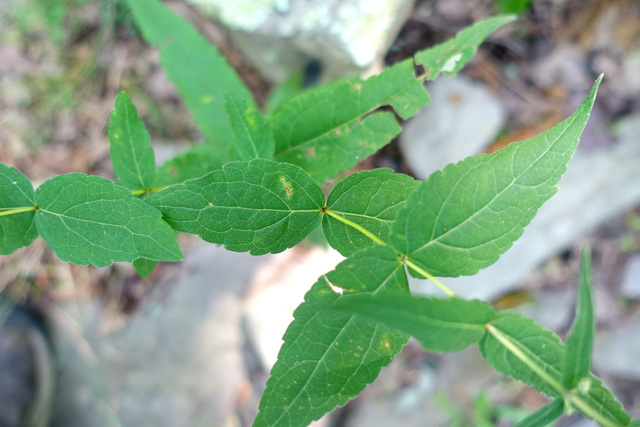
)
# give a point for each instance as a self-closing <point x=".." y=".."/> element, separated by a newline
<point x="630" y="286"/>
<point x="461" y="119"/>
<point x="617" y="352"/>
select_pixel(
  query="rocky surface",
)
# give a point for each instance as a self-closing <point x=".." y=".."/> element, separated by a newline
<point x="280" y="37"/>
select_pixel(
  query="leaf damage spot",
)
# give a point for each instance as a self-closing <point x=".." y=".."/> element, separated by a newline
<point x="288" y="189"/>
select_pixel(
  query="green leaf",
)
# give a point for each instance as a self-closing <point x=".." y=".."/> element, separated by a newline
<point x="259" y="206"/>
<point x="131" y="153"/>
<point x="544" y="416"/>
<point x="254" y="139"/>
<point x="520" y="348"/>
<point x="283" y="93"/>
<point x="635" y="423"/>
<point x="451" y="56"/>
<point x="580" y="340"/>
<point x="463" y="218"/>
<point x="194" y="163"/>
<point x="513" y="6"/>
<point x="370" y="199"/>
<point x="441" y="325"/>
<point x="328" y="357"/>
<point x="16" y="229"/>
<point x="144" y="267"/>
<point x="200" y="73"/>
<point x="541" y="347"/>
<point x="91" y="220"/>
<point x="329" y="129"/>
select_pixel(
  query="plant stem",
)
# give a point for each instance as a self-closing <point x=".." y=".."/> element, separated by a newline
<point x="429" y="276"/>
<point x="566" y="394"/>
<point x="376" y="239"/>
<point x="589" y="411"/>
<point x="354" y="225"/>
<point x="18" y="210"/>
<point x="516" y="351"/>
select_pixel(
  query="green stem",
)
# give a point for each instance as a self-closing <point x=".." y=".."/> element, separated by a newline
<point x="376" y="239"/>
<point x="571" y="396"/>
<point x="18" y="210"/>
<point x="429" y="276"/>
<point x="516" y="351"/>
<point x="354" y="225"/>
<point x="589" y="411"/>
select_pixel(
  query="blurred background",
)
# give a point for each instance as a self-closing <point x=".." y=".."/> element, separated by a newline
<point x="193" y="343"/>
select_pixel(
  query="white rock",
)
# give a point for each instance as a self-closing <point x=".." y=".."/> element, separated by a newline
<point x="279" y="37"/>
<point x="617" y="353"/>
<point x="461" y="119"/>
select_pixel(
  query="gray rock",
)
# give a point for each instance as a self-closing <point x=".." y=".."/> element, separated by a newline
<point x="179" y="362"/>
<point x="461" y="119"/>
<point x="551" y="308"/>
<point x="616" y="353"/>
<point x="279" y="37"/>
<point x="630" y="286"/>
<point x="598" y="185"/>
<point x="278" y="290"/>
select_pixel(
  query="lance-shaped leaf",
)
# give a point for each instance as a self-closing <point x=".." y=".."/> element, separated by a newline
<point x="91" y="220"/>
<point x="580" y="340"/>
<point x="463" y="218"/>
<point x="254" y="139"/>
<point x="545" y="415"/>
<point x="520" y="348"/>
<point x="16" y="229"/>
<point x="441" y="325"/>
<point x="328" y="357"/>
<point x="260" y="206"/>
<point x="450" y="56"/>
<point x="201" y="75"/>
<point x="371" y="199"/>
<point x="131" y="153"/>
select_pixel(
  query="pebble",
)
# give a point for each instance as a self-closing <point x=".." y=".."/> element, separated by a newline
<point x="461" y="120"/>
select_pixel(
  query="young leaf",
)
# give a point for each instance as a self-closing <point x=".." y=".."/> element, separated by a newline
<point x="254" y="139"/>
<point x="202" y="76"/>
<point x="328" y="357"/>
<point x="16" y="229"/>
<point x="328" y="129"/>
<point x="441" y="325"/>
<point x="144" y="267"/>
<point x="518" y="347"/>
<point x="544" y="416"/>
<point x="463" y="218"/>
<point x="542" y="348"/>
<point x="259" y="206"/>
<point x="131" y="153"/>
<point x="580" y="340"/>
<point x="370" y="199"/>
<point x="91" y="220"/>
<point x="451" y="56"/>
